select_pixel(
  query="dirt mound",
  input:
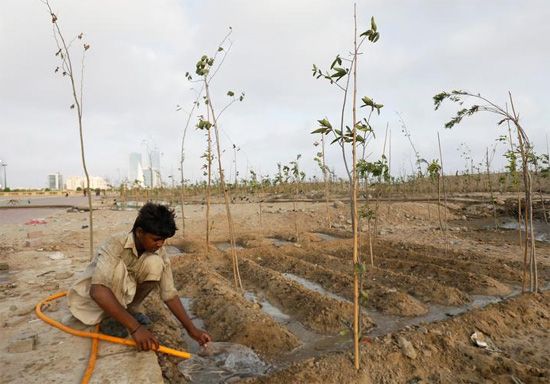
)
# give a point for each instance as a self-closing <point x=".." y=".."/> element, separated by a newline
<point x="228" y="316"/>
<point x="444" y="352"/>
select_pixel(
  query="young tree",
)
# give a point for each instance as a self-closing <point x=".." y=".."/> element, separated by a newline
<point x="206" y="71"/>
<point x="525" y="149"/>
<point x="76" y="80"/>
<point x="346" y="136"/>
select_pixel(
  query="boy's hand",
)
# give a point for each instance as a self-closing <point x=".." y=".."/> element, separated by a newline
<point x="145" y="340"/>
<point x="200" y="336"/>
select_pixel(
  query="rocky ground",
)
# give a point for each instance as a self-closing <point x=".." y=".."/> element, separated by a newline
<point x="426" y="294"/>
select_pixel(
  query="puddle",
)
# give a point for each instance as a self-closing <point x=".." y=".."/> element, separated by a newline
<point x="221" y="362"/>
<point x="326" y="236"/>
<point x="389" y="323"/>
<point x="173" y="251"/>
<point x="541" y="229"/>
<point x="385" y="324"/>
<point x="312" y="343"/>
<point x="280" y="243"/>
<point x="267" y="307"/>
<point x="313" y="286"/>
<point x="4" y="277"/>
<point x="225" y="246"/>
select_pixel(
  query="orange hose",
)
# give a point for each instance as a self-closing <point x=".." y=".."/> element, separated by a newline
<point x="96" y="336"/>
<point x="91" y="362"/>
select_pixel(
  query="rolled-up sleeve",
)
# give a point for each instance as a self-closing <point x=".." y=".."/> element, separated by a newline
<point x="167" y="288"/>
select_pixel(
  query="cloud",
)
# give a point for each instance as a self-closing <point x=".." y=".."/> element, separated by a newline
<point x="134" y="78"/>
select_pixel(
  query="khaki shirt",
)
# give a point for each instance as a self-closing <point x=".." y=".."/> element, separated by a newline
<point x="118" y="267"/>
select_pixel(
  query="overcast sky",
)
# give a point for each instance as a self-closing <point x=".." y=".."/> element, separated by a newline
<point x="140" y="51"/>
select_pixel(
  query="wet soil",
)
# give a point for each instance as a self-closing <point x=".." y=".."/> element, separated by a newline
<point x="426" y="294"/>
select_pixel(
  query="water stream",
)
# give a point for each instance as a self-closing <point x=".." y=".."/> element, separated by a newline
<point x="540" y="228"/>
<point x="220" y="362"/>
<point x="326" y="236"/>
<point x="228" y="362"/>
<point x="226" y="246"/>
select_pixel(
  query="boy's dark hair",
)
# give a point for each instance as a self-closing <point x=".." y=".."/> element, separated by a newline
<point x="156" y="219"/>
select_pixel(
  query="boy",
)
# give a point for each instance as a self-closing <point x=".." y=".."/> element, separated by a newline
<point x="125" y="270"/>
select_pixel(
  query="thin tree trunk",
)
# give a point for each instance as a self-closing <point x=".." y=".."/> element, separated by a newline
<point x="79" y="108"/>
<point x="356" y="324"/>
<point x="325" y="178"/>
<point x="488" y="165"/>
<point x="444" y="229"/>
<point x="208" y="188"/>
<point x="234" y="257"/>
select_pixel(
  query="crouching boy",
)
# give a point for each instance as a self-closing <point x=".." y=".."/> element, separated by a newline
<point x="125" y="270"/>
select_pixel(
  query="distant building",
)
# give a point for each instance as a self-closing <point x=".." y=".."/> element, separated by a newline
<point x="135" y="170"/>
<point x="144" y="172"/>
<point x="75" y="182"/>
<point x="55" y="182"/>
<point x="151" y="173"/>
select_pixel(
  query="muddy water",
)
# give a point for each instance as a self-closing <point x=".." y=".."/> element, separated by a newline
<point x="173" y="251"/>
<point x="280" y="243"/>
<point x="313" y="343"/>
<point x="226" y="246"/>
<point x="390" y="323"/>
<point x="220" y="362"/>
<point x="313" y="286"/>
<point x="326" y="237"/>
<point x="231" y="362"/>
<point x="4" y="277"/>
<point x="541" y="229"/>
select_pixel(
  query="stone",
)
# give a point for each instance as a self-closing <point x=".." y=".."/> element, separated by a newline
<point x="63" y="275"/>
<point x="24" y="342"/>
<point x="56" y="256"/>
<point x="337" y="204"/>
<point x="406" y="347"/>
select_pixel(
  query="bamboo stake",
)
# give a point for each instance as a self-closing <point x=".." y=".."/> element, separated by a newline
<point x="354" y="203"/>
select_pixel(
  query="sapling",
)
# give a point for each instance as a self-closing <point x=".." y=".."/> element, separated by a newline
<point x="206" y="71"/>
<point x="66" y="69"/>
<point x="434" y="171"/>
<point x="321" y="162"/>
<point x="525" y="148"/>
<point x="204" y="124"/>
<point x="344" y="136"/>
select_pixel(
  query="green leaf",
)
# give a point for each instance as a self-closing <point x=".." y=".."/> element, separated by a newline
<point x="368" y="101"/>
<point x="322" y="131"/>
<point x="230" y="93"/>
<point x="366" y="33"/>
<point x="373" y="25"/>
<point x="338" y="61"/>
<point x="325" y="123"/>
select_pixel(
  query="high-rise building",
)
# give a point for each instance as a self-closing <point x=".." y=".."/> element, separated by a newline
<point x="135" y="171"/>
<point x="151" y="173"/>
<point x="55" y="181"/>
